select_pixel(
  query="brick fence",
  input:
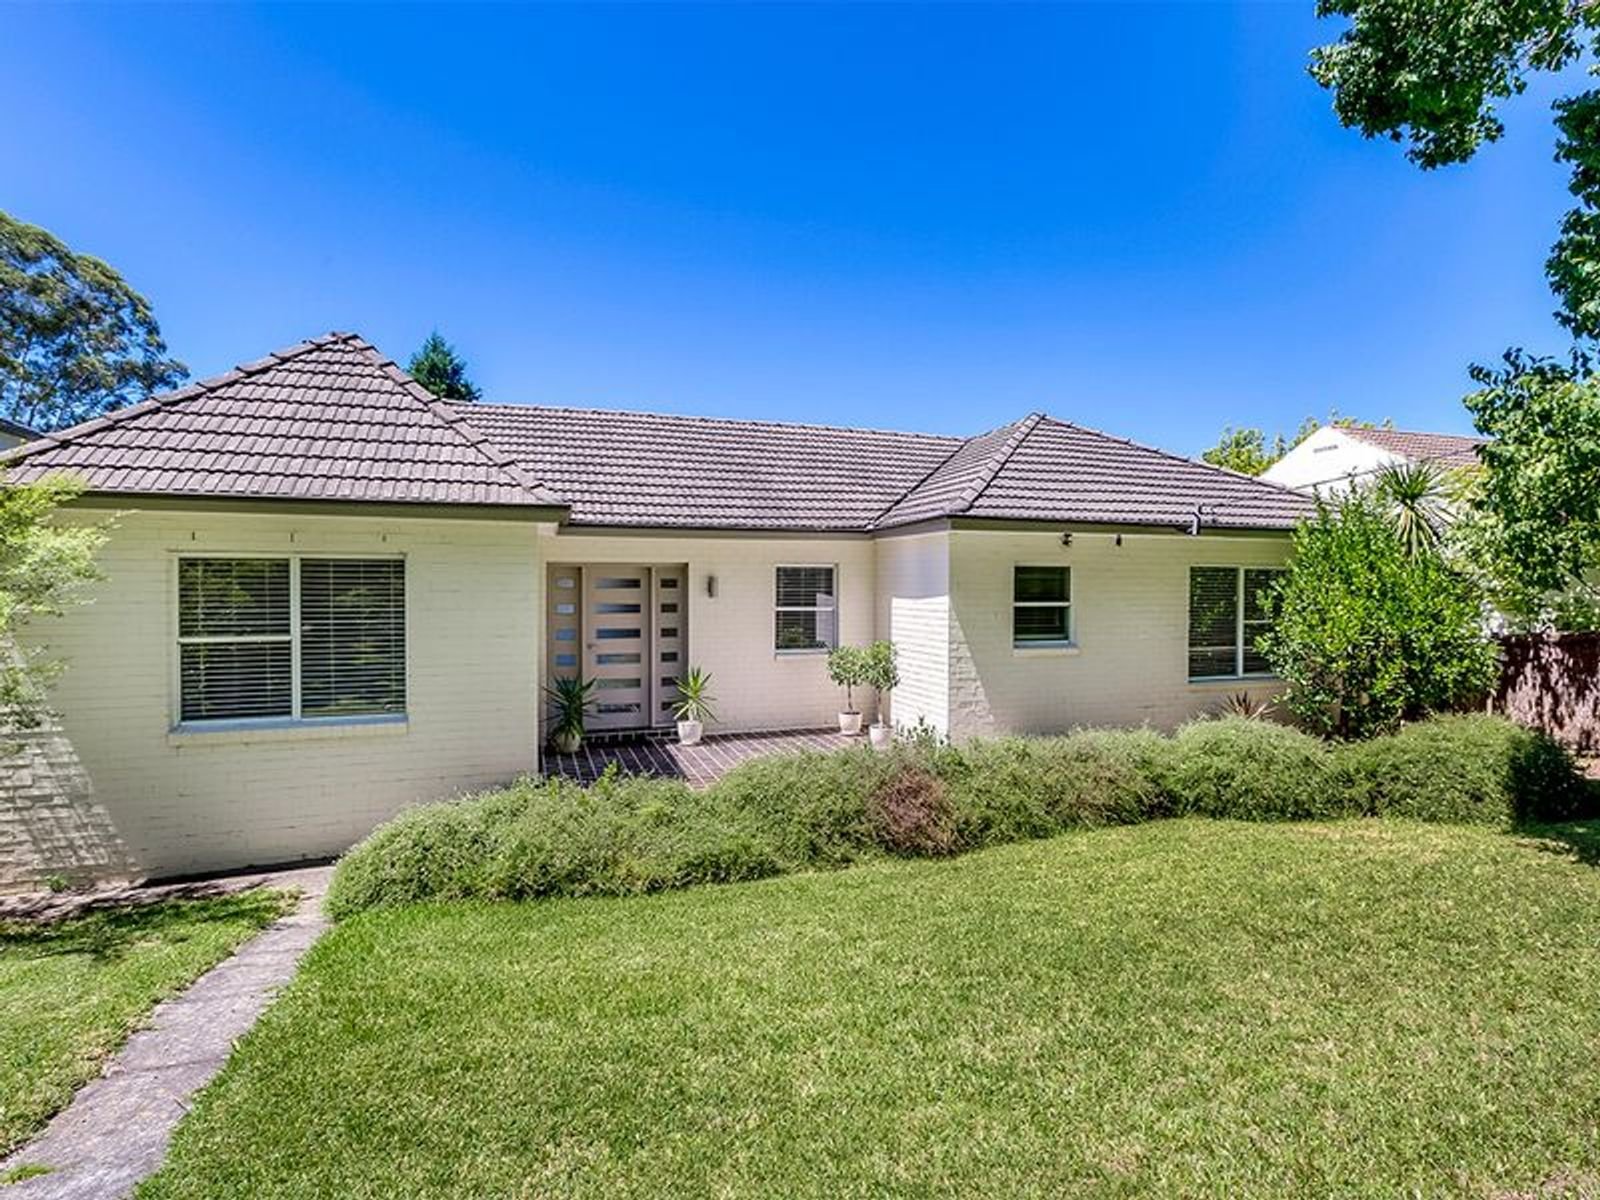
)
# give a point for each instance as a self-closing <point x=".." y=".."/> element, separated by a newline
<point x="1552" y="682"/>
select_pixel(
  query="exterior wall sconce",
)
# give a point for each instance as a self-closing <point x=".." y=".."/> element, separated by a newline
<point x="1066" y="539"/>
<point x="711" y="586"/>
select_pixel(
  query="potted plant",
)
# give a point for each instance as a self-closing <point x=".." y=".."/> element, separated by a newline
<point x="693" y="708"/>
<point x="570" y="701"/>
<point x="847" y="667"/>
<point x="884" y="675"/>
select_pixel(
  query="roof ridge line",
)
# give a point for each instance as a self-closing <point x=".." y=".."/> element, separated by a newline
<point x="1193" y="462"/>
<point x="189" y="391"/>
<point x="441" y="411"/>
<point x="703" y="420"/>
<point x="976" y="489"/>
<point x="960" y="445"/>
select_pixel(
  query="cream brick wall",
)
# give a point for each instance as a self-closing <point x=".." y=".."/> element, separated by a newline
<point x="187" y="802"/>
<point x="1130" y="622"/>
<point x="914" y="613"/>
<point x="731" y="634"/>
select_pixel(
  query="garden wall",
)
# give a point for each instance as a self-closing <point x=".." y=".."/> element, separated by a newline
<point x="1552" y="682"/>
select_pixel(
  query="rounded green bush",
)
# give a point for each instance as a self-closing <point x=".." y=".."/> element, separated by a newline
<point x="1476" y="769"/>
<point x="1252" y="770"/>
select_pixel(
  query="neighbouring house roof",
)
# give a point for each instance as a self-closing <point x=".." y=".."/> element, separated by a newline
<point x="1446" y="449"/>
<point x="331" y="419"/>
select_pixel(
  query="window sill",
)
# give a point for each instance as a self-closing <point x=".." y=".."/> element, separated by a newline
<point x="224" y="733"/>
<point x="818" y="651"/>
<point x="1231" y="680"/>
<point x="1046" y="650"/>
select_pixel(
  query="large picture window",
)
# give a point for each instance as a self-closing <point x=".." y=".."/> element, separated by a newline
<point x="287" y="638"/>
<point x="807" y="609"/>
<point x="1041" y="606"/>
<point x="1229" y="610"/>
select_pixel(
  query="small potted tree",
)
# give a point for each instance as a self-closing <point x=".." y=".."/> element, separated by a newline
<point x="570" y="701"/>
<point x="693" y="708"/>
<point x="847" y="667"/>
<point x="883" y="674"/>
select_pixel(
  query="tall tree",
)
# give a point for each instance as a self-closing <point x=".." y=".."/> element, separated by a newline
<point x="75" y="339"/>
<point x="1430" y="73"/>
<point x="437" y="367"/>
<point x="1534" y="525"/>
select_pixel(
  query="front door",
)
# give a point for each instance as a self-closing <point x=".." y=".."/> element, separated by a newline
<point x="617" y="641"/>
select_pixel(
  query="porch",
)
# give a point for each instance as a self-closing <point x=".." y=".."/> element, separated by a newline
<point x="663" y="756"/>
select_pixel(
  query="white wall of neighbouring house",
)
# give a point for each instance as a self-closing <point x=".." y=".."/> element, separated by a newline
<point x="914" y="613"/>
<point x="732" y="633"/>
<point x="190" y="799"/>
<point x="1128" y="664"/>
<point x="1327" y="463"/>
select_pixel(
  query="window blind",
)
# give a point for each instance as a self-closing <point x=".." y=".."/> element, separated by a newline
<point x="1213" y="622"/>
<point x="235" y="642"/>
<point x="1041" y="605"/>
<point x="352" y="637"/>
<point x="806" y="616"/>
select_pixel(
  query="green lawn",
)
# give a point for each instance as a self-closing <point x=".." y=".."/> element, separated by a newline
<point x="72" y="991"/>
<point x="1179" y="1008"/>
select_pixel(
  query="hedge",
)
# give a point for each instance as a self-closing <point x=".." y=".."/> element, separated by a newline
<point x="625" y="835"/>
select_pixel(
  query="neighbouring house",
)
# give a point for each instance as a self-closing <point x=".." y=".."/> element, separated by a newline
<point x="329" y="595"/>
<point x="1338" y="457"/>
<point x="12" y="434"/>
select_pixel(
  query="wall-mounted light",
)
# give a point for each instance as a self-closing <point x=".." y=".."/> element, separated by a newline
<point x="1119" y="539"/>
<point x="1066" y="539"/>
<point x="711" y="586"/>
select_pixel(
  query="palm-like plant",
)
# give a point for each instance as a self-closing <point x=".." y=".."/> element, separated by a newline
<point x="571" y="699"/>
<point x="1416" y="497"/>
<point x="694" y="696"/>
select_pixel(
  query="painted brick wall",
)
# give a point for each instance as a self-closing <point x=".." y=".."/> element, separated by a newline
<point x="914" y="613"/>
<point x="731" y="634"/>
<point x="1130" y="623"/>
<point x="186" y="802"/>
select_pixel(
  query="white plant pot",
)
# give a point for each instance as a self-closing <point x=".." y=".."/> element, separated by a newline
<point x="689" y="732"/>
<point x="850" y="723"/>
<point x="881" y="736"/>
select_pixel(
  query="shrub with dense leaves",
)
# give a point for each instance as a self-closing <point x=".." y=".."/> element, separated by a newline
<point x="1473" y="769"/>
<point x="624" y="835"/>
<point x="1251" y="770"/>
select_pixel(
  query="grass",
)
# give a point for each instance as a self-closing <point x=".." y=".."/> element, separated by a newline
<point x="1188" y="1007"/>
<point x="71" y="991"/>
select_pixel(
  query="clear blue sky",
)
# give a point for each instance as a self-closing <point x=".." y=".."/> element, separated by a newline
<point x="1142" y="218"/>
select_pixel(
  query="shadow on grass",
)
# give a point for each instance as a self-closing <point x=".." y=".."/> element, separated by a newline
<point x="108" y="934"/>
<point x="1574" y="839"/>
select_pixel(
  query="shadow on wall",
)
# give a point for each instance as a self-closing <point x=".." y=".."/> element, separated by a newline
<point x="52" y="829"/>
<point x="1552" y="682"/>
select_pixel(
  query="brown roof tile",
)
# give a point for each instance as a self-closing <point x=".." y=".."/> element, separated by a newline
<point x="1446" y="449"/>
<point x="328" y="419"/>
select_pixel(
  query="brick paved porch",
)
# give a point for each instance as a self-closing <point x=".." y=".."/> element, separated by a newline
<point x="699" y="765"/>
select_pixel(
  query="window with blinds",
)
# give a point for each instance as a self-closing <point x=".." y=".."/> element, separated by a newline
<point x="1229" y="609"/>
<point x="807" y="616"/>
<point x="1041" y="606"/>
<point x="246" y="624"/>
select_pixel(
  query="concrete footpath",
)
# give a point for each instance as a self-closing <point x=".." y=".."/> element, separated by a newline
<point x="116" y="1130"/>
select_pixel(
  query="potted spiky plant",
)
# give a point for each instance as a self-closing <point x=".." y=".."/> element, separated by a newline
<point x="570" y="701"/>
<point x="847" y="667"/>
<point x="883" y="673"/>
<point x="693" y="708"/>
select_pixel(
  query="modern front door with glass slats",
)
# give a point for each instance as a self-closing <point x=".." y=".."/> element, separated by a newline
<point x="623" y="626"/>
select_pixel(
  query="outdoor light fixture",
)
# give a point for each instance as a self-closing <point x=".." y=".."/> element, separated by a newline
<point x="1066" y="539"/>
<point x="711" y="586"/>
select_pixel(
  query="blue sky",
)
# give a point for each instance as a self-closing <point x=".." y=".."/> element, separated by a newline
<point x="1142" y="218"/>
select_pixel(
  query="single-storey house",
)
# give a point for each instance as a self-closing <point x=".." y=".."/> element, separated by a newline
<point x="328" y="594"/>
<point x="1338" y="457"/>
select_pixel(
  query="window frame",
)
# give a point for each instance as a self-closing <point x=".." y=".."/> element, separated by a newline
<point x="176" y="641"/>
<point x="804" y="651"/>
<point x="1070" y="642"/>
<point x="1239" y="622"/>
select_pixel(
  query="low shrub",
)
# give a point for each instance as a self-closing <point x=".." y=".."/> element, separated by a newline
<point x="623" y="835"/>
<point x="910" y="815"/>
<point x="1251" y="770"/>
<point x="1473" y="769"/>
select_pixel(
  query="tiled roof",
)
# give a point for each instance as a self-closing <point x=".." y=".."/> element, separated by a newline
<point x="1446" y="449"/>
<point x="647" y="469"/>
<point x="1043" y="469"/>
<point x="329" y="419"/>
<point x="12" y="429"/>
